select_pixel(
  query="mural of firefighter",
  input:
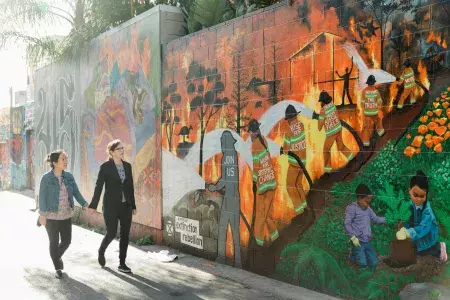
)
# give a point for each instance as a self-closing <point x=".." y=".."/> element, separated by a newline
<point x="230" y="208"/>
<point x="316" y="98"/>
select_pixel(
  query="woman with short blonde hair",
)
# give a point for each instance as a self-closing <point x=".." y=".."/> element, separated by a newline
<point x="118" y="201"/>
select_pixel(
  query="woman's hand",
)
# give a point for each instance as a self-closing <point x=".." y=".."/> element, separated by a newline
<point x="43" y="220"/>
<point x="91" y="211"/>
<point x="134" y="212"/>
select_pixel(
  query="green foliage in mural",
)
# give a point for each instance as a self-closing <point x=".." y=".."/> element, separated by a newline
<point x="386" y="175"/>
<point x="313" y="268"/>
<point x="397" y="205"/>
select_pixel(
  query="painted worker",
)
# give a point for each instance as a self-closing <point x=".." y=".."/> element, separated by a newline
<point x="295" y="146"/>
<point x="329" y="119"/>
<point x="373" y="110"/>
<point x="264" y="183"/>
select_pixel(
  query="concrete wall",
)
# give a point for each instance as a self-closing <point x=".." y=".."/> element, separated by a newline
<point x="217" y="80"/>
<point x="110" y="93"/>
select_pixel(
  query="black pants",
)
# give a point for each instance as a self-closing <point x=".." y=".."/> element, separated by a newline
<point x="55" y="228"/>
<point x="122" y="213"/>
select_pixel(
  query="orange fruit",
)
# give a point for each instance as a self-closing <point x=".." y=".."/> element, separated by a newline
<point x="442" y="121"/>
<point x="429" y="143"/>
<point x="417" y="142"/>
<point x="409" y="151"/>
<point x="423" y="129"/>
<point x="447" y="135"/>
<point x="437" y="139"/>
<point x="432" y="126"/>
<point x="440" y="130"/>
<point x="438" y="148"/>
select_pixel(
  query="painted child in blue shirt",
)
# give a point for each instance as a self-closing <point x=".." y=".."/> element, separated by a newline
<point x="422" y="227"/>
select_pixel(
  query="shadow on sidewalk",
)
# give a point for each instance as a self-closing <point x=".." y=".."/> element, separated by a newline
<point x="44" y="281"/>
<point x="153" y="289"/>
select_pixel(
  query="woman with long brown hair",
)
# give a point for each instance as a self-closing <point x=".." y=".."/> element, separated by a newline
<point x="56" y="193"/>
<point x="118" y="201"/>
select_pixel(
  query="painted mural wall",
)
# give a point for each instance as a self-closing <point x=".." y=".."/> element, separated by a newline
<point x="118" y="96"/>
<point x="272" y="121"/>
<point x="57" y="117"/>
<point x="30" y="144"/>
<point x="108" y="94"/>
<point x="5" y="127"/>
<point x="18" y="149"/>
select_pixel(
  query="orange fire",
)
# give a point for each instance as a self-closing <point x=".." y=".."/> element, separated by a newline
<point x="246" y="196"/>
<point x="229" y="249"/>
<point x="437" y="37"/>
<point x="423" y="76"/>
<point x="408" y="36"/>
<point x="352" y="25"/>
<point x="393" y="91"/>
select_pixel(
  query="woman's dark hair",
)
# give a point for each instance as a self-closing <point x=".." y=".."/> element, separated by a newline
<point x="112" y="146"/>
<point x="53" y="157"/>
<point x="420" y="179"/>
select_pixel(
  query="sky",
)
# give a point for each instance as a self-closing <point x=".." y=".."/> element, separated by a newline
<point x="13" y="67"/>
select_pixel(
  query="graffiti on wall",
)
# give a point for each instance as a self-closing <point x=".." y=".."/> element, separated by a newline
<point x="4" y="148"/>
<point x="18" y="149"/>
<point x="119" y="103"/>
<point x="270" y="123"/>
<point x="30" y="143"/>
<point x="56" y="118"/>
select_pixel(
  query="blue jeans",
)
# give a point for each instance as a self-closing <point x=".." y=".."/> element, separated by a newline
<point x="365" y="256"/>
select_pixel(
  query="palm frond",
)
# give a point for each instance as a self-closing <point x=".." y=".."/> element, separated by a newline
<point x="17" y="13"/>
<point x="208" y="12"/>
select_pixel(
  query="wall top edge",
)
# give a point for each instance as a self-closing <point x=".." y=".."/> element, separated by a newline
<point x="155" y="10"/>
<point x="232" y="21"/>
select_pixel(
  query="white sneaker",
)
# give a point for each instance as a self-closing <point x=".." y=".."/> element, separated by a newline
<point x="443" y="257"/>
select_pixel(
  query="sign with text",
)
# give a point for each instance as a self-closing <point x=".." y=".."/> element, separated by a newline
<point x="189" y="232"/>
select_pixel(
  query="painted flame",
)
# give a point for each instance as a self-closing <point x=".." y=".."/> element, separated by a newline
<point x="437" y="37"/>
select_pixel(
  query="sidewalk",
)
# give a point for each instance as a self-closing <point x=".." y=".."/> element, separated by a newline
<point x="30" y="273"/>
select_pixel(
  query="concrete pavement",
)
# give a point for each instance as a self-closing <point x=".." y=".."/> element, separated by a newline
<point x="27" y="271"/>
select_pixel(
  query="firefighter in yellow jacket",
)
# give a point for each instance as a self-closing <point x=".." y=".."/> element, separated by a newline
<point x="372" y="106"/>
<point x="329" y="119"/>
<point x="264" y="183"/>
<point x="409" y="83"/>
<point x="295" y="145"/>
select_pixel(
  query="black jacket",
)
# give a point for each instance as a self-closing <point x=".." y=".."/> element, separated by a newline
<point x="109" y="176"/>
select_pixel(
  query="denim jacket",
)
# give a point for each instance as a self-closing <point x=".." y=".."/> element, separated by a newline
<point x="425" y="232"/>
<point x="49" y="191"/>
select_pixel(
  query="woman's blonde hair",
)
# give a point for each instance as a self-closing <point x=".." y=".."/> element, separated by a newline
<point x="112" y="146"/>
